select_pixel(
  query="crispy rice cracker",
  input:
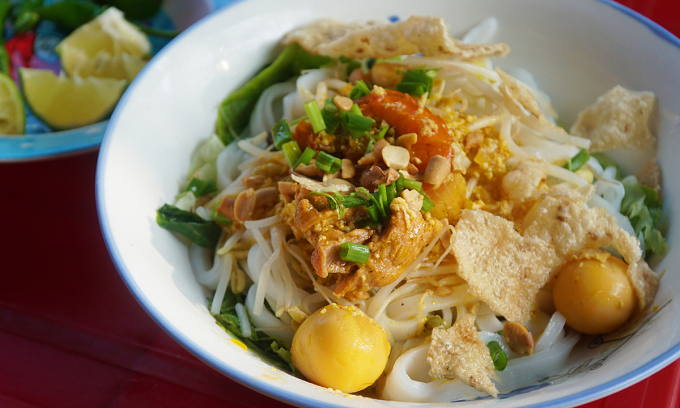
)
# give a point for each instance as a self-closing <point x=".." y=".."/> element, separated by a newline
<point x="523" y="181"/>
<point x="459" y="353"/>
<point x="379" y="39"/>
<point x="502" y="268"/>
<point x="562" y="221"/>
<point x="617" y="120"/>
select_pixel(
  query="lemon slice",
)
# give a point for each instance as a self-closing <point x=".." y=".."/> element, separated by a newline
<point x="69" y="102"/>
<point x="12" y="115"/>
<point x="107" y="47"/>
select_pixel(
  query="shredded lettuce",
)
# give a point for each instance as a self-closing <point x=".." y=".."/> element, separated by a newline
<point x="205" y="158"/>
<point x="266" y="347"/>
<point x="643" y="208"/>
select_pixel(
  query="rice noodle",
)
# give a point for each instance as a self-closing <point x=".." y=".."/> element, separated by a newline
<point x="243" y="320"/>
<point x="551" y="332"/>
<point x="449" y="65"/>
<point x="566" y="175"/>
<point x="227" y="266"/>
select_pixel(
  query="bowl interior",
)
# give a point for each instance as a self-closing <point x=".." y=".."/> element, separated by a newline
<point x="577" y="50"/>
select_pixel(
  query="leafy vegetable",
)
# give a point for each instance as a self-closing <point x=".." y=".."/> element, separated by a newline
<point x="643" y="208"/>
<point x="500" y="360"/>
<point x="190" y="225"/>
<point x="266" y="347"/>
<point x="200" y="187"/>
<point x="234" y="112"/>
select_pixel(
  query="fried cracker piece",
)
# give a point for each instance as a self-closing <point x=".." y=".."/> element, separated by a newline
<point x="523" y="181"/>
<point x="502" y="268"/>
<point x="428" y="35"/>
<point x="617" y="120"/>
<point x="650" y="176"/>
<point x="562" y="221"/>
<point x="458" y="353"/>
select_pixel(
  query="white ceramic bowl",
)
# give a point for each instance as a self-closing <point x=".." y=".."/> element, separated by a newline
<point x="577" y="50"/>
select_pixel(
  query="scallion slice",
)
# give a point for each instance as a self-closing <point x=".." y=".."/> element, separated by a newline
<point x="314" y="115"/>
<point x="296" y="121"/>
<point x="383" y="132"/>
<point x="360" y="90"/>
<point x="328" y="163"/>
<point x="413" y="185"/>
<point x="427" y="204"/>
<point x="373" y="213"/>
<point x="352" y="252"/>
<point x="577" y="161"/>
<point x="399" y="184"/>
<point x="330" y="116"/>
<point x="500" y="360"/>
<point x="417" y="81"/>
<point x="291" y="151"/>
<point x="305" y="157"/>
<point x="382" y="193"/>
<point x="281" y="134"/>
<point x="357" y="125"/>
<point x="391" y="192"/>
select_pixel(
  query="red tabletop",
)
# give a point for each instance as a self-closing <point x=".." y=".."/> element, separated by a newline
<point x="72" y="335"/>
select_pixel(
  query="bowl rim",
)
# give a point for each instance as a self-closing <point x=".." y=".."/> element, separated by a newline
<point x="291" y="397"/>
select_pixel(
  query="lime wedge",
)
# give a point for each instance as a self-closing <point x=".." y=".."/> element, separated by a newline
<point x="106" y="47"/>
<point x="69" y="102"/>
<point x="12" y="115"/>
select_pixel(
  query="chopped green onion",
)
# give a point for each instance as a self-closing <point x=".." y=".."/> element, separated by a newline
<point x="413" y="185"/>
<point x="305" y="157"/>
<point x="353" y="201"/>
<point x="291" y="151"/>
<point x="382" y="193"/>
<point x="356" y="125"/>
<point x="360" y="90"/>
<point x="355" y="109"/>
<point x="200" y="187"/>
<point x="373" y="213"/>
<point x="391" y="193"/>
<point x="363" y="193"/>
<point x="427" y="204"/>
<point x="399" y="184"/>
<point x="296" y="121"/>
<point x="369" y="146"/>
<point x="328" y="163"/>
<point x="330" y="116"/>
<point x="500" y="360"/>
<point x="315" y="117"/>
<point x="281" y="134"/>
<point x="383" y="131"/>
<point x="416" y="82"/>
<point x="218" y="217"/>
<point x="352" y="252"/>
<point x="577" y="161"/>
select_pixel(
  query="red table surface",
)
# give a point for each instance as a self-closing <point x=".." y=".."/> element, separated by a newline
<point x="72" y="335"/>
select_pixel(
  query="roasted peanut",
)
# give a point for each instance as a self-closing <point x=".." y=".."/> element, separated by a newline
<point x="518" y="338"/>
<point x="438" y="168"/>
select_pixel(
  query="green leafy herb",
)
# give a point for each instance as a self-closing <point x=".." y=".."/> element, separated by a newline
<point x="500" y="360"/>
<point x="192" y="226"/>
<point x="577" y="161"/>
<point x="266" y="347"/>
<point x="200" y="187"/>
<point x="334" y="201"/>
<point x="352" y="252"/>
<point x="234" y="111"/>
<point x="643" y="208"/>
